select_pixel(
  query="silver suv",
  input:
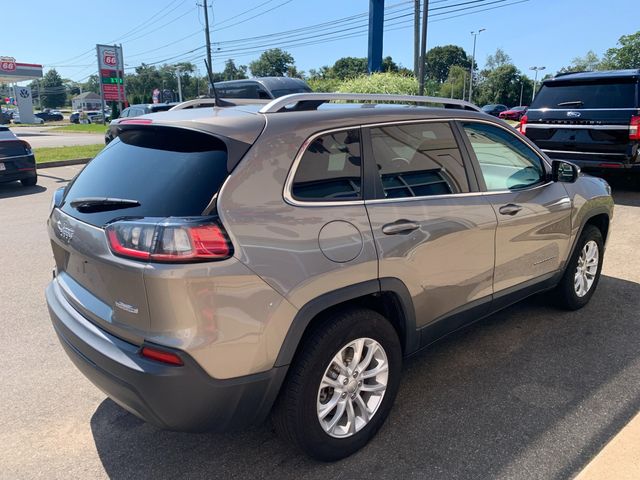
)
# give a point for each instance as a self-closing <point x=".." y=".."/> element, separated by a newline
<point x="216" y="265"/>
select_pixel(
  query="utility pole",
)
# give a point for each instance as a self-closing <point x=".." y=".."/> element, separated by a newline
<point x="473" y="61"/>
<point x="178" y="72"/>
<point x="423" y="46"/>
<point x="521" y="91"/>
<point x="416" y="38"/>
<point x="207" y="35"/>
<point x="535" y="82"/>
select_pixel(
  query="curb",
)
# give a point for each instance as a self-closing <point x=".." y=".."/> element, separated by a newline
<point x="62" y="163"/>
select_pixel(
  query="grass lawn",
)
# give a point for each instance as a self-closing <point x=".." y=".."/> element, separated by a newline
<point x="81" y="128"/>
<point x="52" y="154"/>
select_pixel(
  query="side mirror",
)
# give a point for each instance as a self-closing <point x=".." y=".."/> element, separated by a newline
<point x="562" y="171"/>
<point x="56" y="201"/>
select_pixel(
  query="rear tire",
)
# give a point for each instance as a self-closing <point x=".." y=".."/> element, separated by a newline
<point x="29" y="182"/>
<point x="582" y="274"/>
<point x="324" y="386"/>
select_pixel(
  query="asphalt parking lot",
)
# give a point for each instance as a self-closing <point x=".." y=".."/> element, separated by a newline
<point x="529" y="393"/>
<point x="45" y="137"/>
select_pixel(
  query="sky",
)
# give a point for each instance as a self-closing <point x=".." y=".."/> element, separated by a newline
<point x="62" y="34"/>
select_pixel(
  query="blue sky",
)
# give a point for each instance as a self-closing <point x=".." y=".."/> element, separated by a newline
<point x="534" y="32"/>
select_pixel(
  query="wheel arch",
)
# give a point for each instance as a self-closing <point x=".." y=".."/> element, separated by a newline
<point x="388" y="296"/>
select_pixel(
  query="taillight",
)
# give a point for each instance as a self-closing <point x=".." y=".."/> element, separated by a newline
<point x="634" y="130"/>
<point x="27" y="147"/>
<point x="168" y="243"/>
<point x="523" y="125"/>
<point x="161" y="356"/>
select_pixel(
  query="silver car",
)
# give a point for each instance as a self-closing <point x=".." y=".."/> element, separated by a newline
<point x="217" y="265"/>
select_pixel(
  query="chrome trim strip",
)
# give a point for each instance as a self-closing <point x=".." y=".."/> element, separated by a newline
<point x="576" y="127"/>
<point x="579" y="109"/>
<point x="2" y="159"/>
<point x="278" y="104"/>
<point x="288" y="196"/>
<point x="582" y="153"/>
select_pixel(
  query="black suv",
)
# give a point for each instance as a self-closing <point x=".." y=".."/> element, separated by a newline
<point x="589" y="118"/>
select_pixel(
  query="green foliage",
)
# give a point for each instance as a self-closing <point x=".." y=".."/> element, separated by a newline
<point x="351" y="67"/>
<point x="231" y="72"/>
<point x="458" y="77"/>
<point x="498" y="59"/>
<point x="502" y="84"/>
<point x="324" y="84"/>
<point x="627" y="55"/>
<point x="386" y="82"/>
<point x="53" y="92"/>
<point x="588" y="63"/>
<point x="272" y="63"/>
<point x="441" y="59"/>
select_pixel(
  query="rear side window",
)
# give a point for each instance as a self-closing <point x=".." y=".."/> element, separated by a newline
<point x="330" y="169"/>
<point x="586" y="95"/>
<point x="418" y="160"/>
<point x="169" y="171"/>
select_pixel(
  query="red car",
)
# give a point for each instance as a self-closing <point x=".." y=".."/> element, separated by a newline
<point x="514" y="113"/>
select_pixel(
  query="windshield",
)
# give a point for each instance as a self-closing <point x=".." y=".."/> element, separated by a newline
<point x="573" y="95"/>
<point x="167" y="171"/>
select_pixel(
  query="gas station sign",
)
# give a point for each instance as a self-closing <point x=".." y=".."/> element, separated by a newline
<point x="111" y="67"/>
<point x="7" y="64"/>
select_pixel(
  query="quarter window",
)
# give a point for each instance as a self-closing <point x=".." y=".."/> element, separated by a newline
<point x="418" y="160"/>
<point x="330" y="169"/>
<point x="506" y="162"/>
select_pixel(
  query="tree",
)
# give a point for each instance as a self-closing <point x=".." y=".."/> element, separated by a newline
<point x="588" y="63"/>
<point x="456" y="81"/>
<point x="627" y="55"/>
<point x="272" y="63"/>
<point x="503" y="84"/>
<point x="349" y="67"/>
<point x="439" y="61"/>
<point x="498" y="59"/>
<point x="231" y="72"/>
<point x="53" y="92"/>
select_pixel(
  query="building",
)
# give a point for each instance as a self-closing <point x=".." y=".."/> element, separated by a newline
<point x="86" y="101"/>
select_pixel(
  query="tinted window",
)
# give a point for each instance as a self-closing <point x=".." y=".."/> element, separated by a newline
<point x="586" y="95"/>
<point x="330" y="169"/>
<point x="506" y="162"/>
<point x="171" y="172"/>
<point x="418" y="160"/>
<point x="281" y="92"/>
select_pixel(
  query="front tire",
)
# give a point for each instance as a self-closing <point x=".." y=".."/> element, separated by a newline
<point x="341" y="386"/>
<point x="582" y="274"/>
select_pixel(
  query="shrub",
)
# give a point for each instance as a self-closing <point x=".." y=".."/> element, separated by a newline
<point x="327" y="85"/>
<point x="386" y="82"/>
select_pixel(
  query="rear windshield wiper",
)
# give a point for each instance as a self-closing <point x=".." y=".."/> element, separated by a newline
<point x="102" y="204"/>
<point x="573" y="102"/>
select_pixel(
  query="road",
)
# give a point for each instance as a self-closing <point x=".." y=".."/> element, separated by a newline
<point x="529" y="393"/>
<point x="44" y="137"/>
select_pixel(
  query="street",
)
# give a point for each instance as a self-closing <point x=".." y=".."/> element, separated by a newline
<point x="43" y="137"/>
<point x="529" y="393"/>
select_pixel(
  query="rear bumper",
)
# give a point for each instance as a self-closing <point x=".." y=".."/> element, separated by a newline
<point x="18" y="168"/>
<point x="181" y="398"/>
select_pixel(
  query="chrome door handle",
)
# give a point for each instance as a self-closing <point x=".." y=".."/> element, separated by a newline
<point x="510" y="209"/>
<point x="400" y="227"/>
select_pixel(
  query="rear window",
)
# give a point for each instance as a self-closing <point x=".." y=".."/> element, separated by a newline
<point x="586" y="95"/>
<point x="170" y="172"/>
<point x="281" y="92"/>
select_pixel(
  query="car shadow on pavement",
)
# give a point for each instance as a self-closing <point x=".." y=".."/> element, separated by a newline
<point x="530" y="392"/>
<point x="625" y="189"/>
<point x="15" y="189"/>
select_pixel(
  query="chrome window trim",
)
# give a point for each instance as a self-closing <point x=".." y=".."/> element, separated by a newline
<point x="287" y="190"/>
<point x="583" y="153"/>
<point x="580" y="109"/>
<point x="4" y="159"/>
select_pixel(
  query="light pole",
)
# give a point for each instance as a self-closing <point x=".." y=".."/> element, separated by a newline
<point x="535" y="82"/>
<point x="473" y="60"/>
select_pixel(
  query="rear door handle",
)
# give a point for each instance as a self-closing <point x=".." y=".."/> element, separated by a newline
<point x="510" y="209"/>
<point x="400" y="227"/>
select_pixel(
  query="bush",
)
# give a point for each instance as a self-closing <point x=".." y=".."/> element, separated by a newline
<point x="327" y="85"/>
<point x="387" y="82"/>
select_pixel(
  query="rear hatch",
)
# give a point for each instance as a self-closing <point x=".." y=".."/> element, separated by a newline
<point x="160" y="173"/>
<point x="15" y="154"/>
<point x="586" y="120"/>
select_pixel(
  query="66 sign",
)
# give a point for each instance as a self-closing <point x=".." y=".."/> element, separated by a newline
<point x="7" y="64"/>
<point x="109" y="58"/>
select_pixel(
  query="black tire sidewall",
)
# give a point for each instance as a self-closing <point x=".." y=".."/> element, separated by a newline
<point x="363" y="324"/>
<point x="569" y="298"/>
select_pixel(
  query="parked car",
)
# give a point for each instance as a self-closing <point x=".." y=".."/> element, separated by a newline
<point x="16" y="118"/>
<point x="494" y="109"/>
<point x="50" y="116"/>
<point x="135" y="110"/>
<point x="16" y="159"/>
<point x="591" y="119"/>
<point x="74" y="117"/>
<point x="514" y="113"/>
<point x="214" y="265"/>
<point x="261" y="87"/>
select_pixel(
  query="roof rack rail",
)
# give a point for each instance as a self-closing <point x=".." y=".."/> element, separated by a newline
<point x="311" y="101"/>
<point x="197" y="103"/>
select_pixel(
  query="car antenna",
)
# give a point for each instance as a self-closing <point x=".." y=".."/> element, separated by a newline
<point x="219" y="101"/>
